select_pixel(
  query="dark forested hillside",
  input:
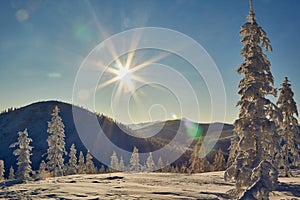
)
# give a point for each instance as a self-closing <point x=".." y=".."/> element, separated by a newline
<point x="34" y="117"/>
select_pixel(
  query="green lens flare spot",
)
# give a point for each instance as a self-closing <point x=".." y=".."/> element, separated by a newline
<point x="193" y="130"/>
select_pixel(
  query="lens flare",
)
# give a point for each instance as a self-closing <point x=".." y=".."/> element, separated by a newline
<point x="22" y="15"/>
<point x="193" y="130"/>
<point x="173" y="115"/>
<point x="83" y="33"/>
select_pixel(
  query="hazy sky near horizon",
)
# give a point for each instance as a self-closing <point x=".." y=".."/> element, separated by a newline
<point x="43" y="44"/>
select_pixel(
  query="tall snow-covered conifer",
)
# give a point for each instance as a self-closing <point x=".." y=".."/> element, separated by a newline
<point x="23" y="154"/>
<point x="253" y="168"/>
<point x="289" y="127"/>
<point x="56" y="144"/>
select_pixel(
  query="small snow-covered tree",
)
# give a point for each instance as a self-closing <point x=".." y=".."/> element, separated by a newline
<point x="121" y="165"/>
<point x="2" y="170"/>
<point x="23" y="154"/>
<point x="95" y="170"/>
<point x="114" y="162"/>
<point x="160" y="163"/>
<point x="72" y="164"/>
<point x="11" y="175"/>
<point x="219" y="163"/>
<point x="255" y="129"/>
<point x="81" y="164"/>
<point x="102" y="169"/>
<point x="89" y="164"/>
<point x="183" y="168"/>
<point x="150" y="163"/>
<point x="143" y="167"/>
<point x="134" y="162"/>
<point x="204" y="165"/>
<point x="198" y="164"/>
<point x="167" y="168"/>
<point x="56" y="144"/>
<point x="42" y="170"/>
<point x="289" y="127"/>
<point x="194" y="164"/>
<point x="176" y="169"/>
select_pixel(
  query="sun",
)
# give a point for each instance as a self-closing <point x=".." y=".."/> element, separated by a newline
<point x="122" y="72"/>
<point x="125" y="77"/>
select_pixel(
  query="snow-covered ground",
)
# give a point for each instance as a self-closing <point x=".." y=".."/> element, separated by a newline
<point x="137" y="186"/>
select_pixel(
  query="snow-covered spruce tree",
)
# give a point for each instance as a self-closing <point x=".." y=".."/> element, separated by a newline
<point x="160" y="164"/>
<point x="255" y="129"/>
<point x="196" y="163"/>
<point x="183" y="169"/>
<point x="219" y="163"/>
<point x="56" y="144"/>
<point x="204" y="165"/>
<point x="89" y="164"/>
<point x="23" y="154"/>
<point x="11" y="175"/>
<point x="114" y="162"/>
<point x="150" y="163"/>
<point x="134" y="162"/>
<point x="121" y="165"/>
<point x="81" y="164"/>
<point x="289" y="127"/>
<point x="42" y="170"/>
<point x="72" y="164"/>
<point x="175" y="169"/>
<point x="102" y="169"/>
<point x="2" y="170"/>
<point x="143" y="167"/>
<point x="167" y="168"/>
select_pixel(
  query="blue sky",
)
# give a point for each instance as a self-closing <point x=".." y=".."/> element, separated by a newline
<point x="43" y="43"/>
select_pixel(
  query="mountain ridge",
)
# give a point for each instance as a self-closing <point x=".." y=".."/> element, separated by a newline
<point x="35" y="116"/>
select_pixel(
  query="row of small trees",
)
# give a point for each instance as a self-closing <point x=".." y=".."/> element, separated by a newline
<point x="199" y="164"/>
<point x="55" y="155"/>
<point x="86" y="166"/>
<point x="55" y="163"/>
<point x="55" y="152"/>
<point x="195" y="165"/>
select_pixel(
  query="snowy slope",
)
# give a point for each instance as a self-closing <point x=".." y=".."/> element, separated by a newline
<point x="138" y="186"/>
